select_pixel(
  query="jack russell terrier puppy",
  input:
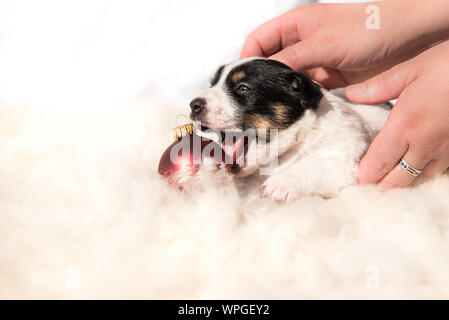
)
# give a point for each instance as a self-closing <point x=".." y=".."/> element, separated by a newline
<point x="318" y="136"/>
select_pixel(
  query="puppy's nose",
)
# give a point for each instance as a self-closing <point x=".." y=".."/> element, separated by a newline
<point x="197" y="105"/>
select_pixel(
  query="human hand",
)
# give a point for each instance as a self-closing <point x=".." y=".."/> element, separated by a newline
<point x="417" y="128"/>
<point x="334" y="39"/>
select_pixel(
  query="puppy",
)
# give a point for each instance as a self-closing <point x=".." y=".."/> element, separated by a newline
<point x="314" y="138"/>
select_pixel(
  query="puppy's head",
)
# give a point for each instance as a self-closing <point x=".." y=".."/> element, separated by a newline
<point x="254" y="93"/>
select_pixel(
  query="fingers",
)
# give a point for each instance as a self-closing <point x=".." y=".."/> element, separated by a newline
<point x="327" y="77"/>
<point x="264" y="40"/>
<point x="386" y="86"/>
<point x="384" y="152"/>
<point x="434" y="168"/>
<point x="303" y="55"/>
<point x="402" y="137"/>
<point x="267" y="40"/>
<point x="282" y="39"/>
<point x="398" y="177"/>
<point x="252" y="48"/>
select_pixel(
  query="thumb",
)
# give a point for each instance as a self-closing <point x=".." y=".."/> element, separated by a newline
<point x="383" y="87"/>
<point x="305" y="54"/>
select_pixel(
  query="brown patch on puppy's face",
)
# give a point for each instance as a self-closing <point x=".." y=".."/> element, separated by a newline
<point x="257" y="121"/>
<point x="281" y="115"/>
<point x="295" y="84"/>
<point x="238" y="76"/>
<point x="263" y="124"/>
<point x="279" y="119"/>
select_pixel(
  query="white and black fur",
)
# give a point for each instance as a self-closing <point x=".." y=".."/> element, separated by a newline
<point x="322" y="136"/>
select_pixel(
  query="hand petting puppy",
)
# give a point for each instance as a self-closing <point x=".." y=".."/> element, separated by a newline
<point x="417" y="129"/>
<point x="405" y="56"/>
<point x="333" y="38"/>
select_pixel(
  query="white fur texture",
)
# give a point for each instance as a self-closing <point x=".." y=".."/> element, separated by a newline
<point x="84" y="214"/>
<point x="325" y="147"/>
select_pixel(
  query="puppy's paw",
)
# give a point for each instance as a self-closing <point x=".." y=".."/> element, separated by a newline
<point x="281" y="188"/>
<point x="324" y="178"/>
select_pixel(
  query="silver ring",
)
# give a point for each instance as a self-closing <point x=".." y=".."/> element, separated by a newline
<point x="411" y="170"/>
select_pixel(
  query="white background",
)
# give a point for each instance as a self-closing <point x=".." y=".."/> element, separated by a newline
<point x="90" y="54"/>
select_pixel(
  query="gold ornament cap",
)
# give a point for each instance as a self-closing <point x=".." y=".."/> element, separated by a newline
<point x="183" y="130"/>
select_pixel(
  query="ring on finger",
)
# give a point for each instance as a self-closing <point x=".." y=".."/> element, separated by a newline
<point x="408" y="168"/>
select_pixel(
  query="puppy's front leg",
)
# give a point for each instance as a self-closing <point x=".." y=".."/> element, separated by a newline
<point x="313" y="175"/>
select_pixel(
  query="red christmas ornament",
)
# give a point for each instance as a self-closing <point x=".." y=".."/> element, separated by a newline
<point x="182" y="159"/>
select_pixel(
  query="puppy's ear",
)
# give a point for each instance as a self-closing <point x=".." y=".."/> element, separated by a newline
<point x="308" y="91"/>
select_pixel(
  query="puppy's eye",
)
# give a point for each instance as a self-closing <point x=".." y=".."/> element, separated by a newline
<point x="242" y="87"/>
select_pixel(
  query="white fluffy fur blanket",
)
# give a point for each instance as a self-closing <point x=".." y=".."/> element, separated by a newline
<point x="84" y="214"/>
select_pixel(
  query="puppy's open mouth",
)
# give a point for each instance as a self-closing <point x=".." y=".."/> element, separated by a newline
<point x="234" y="143"/>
